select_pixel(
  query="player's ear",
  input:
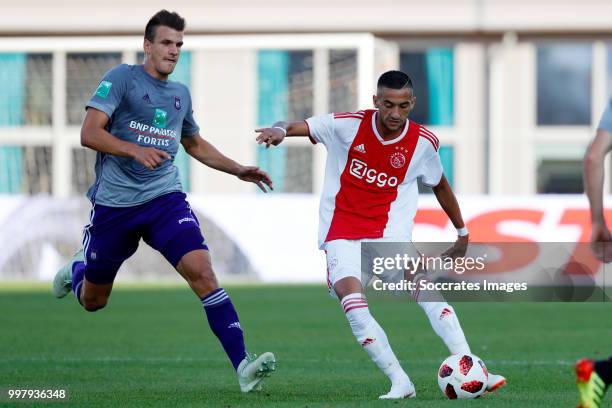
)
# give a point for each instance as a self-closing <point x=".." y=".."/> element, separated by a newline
<point x="375" y="101"/>
<point x="146" y="46"/>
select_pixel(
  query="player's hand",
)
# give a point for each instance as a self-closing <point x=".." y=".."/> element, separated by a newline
<point x="601" y="242"/>
<point x="149" y="157"/>
<point x="255" y="175"/>
<point x="458" y="250"/>
<point x="270" y="136"/>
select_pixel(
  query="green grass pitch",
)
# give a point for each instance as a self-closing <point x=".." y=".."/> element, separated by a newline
<point x="152" y="347"/>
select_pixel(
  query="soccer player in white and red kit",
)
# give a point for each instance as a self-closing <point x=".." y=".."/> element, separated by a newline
<point x="370" y="194"/>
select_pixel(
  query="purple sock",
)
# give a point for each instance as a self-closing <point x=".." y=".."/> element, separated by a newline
<point x="78" y="274"/>
<point x="224" y="322"/>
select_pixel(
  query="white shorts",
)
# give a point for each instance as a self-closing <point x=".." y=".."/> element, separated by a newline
<point x="345" y="258"/>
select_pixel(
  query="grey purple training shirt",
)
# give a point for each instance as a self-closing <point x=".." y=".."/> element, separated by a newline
<point x="148" y="112"/>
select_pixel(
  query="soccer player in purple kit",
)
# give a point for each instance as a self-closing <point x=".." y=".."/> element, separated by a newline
<point x="135" y="121"/>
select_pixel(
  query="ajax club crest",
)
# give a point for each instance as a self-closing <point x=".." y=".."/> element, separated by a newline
<point x="398" y="160"/>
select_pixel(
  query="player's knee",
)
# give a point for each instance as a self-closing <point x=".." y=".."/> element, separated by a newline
<point x="90" y="307"/>
<point x="204" y="281"/>
<point x="94" y="303"/>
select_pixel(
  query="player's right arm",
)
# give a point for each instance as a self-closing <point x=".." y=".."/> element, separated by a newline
<point x="95" y="136"/>
<point x="319" y="129"/>
<point x="274" y="135"/>
<point x="593" y="167"/>
<point x="101" y="107"/>
<point x="594" y="173"/>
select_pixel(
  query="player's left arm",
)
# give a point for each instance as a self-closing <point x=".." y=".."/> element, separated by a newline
<point x="207" y="154"/>
<point x="448" y="201"/>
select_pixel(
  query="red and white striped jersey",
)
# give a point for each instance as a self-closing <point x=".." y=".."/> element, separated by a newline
<point x="370" y="188"/>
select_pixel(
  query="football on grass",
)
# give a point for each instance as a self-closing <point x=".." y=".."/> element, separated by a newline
<point x="463" y="376"/>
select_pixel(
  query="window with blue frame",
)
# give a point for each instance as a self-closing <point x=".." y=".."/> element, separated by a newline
<point x="26" y="99"/>
<point x="285" y="92"/>
<point x="564" y="84"/>
<point x="432" y="73"/>
<point x="559" y="176"/>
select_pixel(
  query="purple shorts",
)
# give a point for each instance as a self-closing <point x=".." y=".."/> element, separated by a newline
<point x="166" y="223"/>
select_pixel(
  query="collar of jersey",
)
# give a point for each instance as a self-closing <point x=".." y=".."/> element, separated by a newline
<point x="394" y="140"/>
<point x="150" y="78"/>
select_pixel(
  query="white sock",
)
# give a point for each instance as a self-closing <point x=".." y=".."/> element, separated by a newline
<point x="372" y="337"/>
<point x="446" y="325"/>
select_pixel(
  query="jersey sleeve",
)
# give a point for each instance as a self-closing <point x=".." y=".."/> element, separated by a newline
<point x="190" y="127"/>
<point x="111" y="89"/>
<point x="606" y="119"/>
<point x="432" y="170"/>
<point x="321" y="128"/>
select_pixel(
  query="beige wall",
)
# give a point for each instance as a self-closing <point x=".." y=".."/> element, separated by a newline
<point x="381" y="16"/>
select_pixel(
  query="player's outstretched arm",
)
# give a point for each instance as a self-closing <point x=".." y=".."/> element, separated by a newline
<point x="95" y="136"/>
<point x="274" y="135"/>
<point x="207" y="154"/>
<point x="448" y="201"/>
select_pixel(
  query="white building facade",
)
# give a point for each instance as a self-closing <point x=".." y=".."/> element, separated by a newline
<point x="514" y="89"/>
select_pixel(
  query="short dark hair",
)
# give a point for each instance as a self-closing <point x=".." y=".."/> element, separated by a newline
<point x="164" y="18"/>
<point x="394" y="80"/>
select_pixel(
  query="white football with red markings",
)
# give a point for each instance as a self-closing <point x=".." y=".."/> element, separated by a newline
<point x="463" y="376"/>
